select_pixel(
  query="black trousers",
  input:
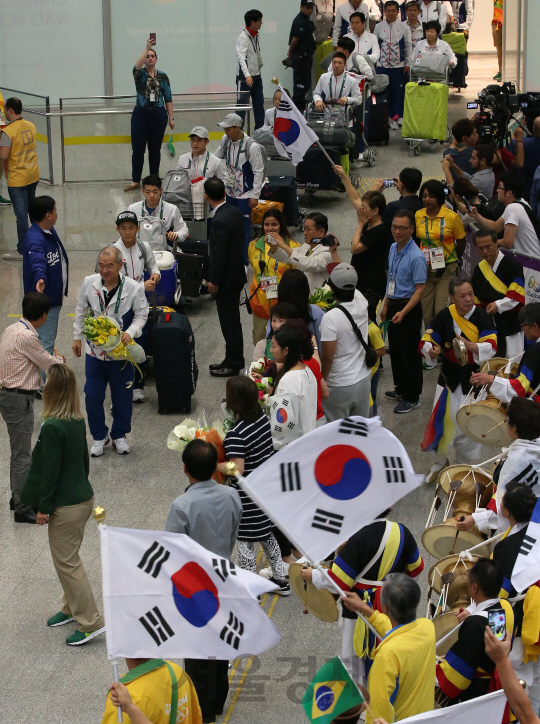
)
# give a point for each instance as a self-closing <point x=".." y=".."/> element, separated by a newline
<point x="301" y="80"/>
<point x="147" y="127"/>
<point x="228" y="308"/>
<point x="210" y="678"/>
<point x="404" y="339"/>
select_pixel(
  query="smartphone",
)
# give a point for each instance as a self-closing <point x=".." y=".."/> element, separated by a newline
<point x="497" y="623"/>
<point x="388" y="183"/>
<point x="472" y="106"/>
<point x="446" y="189"/>
<point x="152" y="37"/>
<point x="467" y="204"/>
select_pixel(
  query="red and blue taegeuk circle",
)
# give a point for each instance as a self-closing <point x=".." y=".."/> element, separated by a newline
<point x="342" y="472"/>
<point x="195" y="594"/>
<point x="281" y="415"/>
<point x="286" y="130"/>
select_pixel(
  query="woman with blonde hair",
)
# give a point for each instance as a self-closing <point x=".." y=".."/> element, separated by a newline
<point x="57" y="486"/>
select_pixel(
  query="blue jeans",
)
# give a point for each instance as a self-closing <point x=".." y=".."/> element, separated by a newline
<point x="147" y="127"/>
<point x="243" y="205"/>
<point x="396" y="90"/>
<point x="47" y="333"/>
<point x="117" y="375"/>
<point x="257" y="98"/>
<point x="21" y="198"/>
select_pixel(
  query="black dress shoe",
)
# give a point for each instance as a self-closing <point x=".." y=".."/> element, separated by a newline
<point x="11" y="503"/>
<point x="224" y="372"/>
<point x="219" y="366"/>
<point x="25" y="518"/>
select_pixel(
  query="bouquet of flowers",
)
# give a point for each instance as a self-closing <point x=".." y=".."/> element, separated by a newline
<point x="106" y="336"/>
<point x="323" y="297"/>
<point x="190" y="430"/>
<point x="257" y="372"/>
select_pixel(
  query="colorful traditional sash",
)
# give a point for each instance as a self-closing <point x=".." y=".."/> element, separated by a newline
<point x="468" y="328"/>
<point x="491" y="278"/>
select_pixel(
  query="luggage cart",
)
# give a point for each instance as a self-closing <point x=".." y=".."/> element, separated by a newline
<point x="192" y="254"/>
<point x="371" y="154"/>
<point x="425" y="76"/>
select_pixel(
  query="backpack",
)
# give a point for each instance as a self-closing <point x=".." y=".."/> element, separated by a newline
<point x="533" y="218"/>
<point x="177" y="187"/>
<point x="380" y="80"/>
<point x="249" y="142"/>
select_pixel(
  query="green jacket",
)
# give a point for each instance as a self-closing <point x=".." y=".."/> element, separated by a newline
<point x="58" y="473"/>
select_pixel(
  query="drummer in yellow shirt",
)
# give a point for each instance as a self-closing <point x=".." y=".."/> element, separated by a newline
<point x="404" y="661"/>
<point x="154" y="691"/>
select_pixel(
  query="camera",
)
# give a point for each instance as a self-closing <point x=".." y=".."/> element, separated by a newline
<point x="496" y="106"/>
<point x="328" y="240"/>
<point x="529" y="105"/>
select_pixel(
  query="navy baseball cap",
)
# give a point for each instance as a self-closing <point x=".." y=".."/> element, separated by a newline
<point x="127" y="216"/>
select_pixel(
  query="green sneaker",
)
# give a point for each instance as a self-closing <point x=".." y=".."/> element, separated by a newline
<point x="59" y="619"/>
<point x="79" y="637"/>
<point x="4" y="202"/>
<point x="498" y="77"/>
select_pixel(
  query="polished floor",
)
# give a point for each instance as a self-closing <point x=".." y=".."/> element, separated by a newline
<point x="43" y="680"/>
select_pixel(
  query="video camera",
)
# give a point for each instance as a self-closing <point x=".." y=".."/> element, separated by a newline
<point x="496" y="105"/>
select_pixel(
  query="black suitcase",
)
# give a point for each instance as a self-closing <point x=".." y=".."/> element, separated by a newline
<point x="284" y="190"/>
<point x="193" y="265"/>
<point x="458" y="75"/>
<point x="377" y="122"/>
<point x="175" y="368"/>
<point x="315" y="171"/>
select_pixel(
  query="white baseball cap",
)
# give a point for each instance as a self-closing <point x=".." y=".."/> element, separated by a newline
<point x="230" y="120"/>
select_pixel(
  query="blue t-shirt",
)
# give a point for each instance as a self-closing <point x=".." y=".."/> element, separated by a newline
<point x="462" y="159"/>
<point x="406" y="268"/>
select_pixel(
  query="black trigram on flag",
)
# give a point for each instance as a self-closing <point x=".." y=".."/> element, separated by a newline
<point x="349" y="427"/>
<point x="528" y="476"/>
<point x="324" y="520"/>
<point x="527" y="545"/>
<point x="223" y="568"/>
<point x="290" y="477"/>
<point x="156" y="626"/>
<point x="284" y="403"/>
<point x="232" y="632"/>
<point x="153" y="559"/>
<point x="395" y="472"/>
<point x="283" y="105"/>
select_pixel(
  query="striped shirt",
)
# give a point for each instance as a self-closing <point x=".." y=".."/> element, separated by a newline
<point x="251" y="441"/>
<point x="22" y="357"/>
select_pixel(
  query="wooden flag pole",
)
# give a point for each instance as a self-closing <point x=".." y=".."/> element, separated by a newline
<point x="99" y="517"/>
<point x="275" y="81"/>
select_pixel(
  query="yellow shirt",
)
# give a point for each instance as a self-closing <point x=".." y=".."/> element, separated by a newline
<point x="150" y="687"/>
<point x="443" y="231"/>
<point x="258" y="251"/>
<point x="22" y="162"/>
<point x="401" y="679"/>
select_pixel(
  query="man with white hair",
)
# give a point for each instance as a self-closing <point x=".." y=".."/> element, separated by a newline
<point x="110" y="294"/>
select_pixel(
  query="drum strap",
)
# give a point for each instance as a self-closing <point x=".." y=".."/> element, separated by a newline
<point x="380" y="550"/>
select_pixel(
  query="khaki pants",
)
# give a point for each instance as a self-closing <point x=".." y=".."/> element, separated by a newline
<point x="435" y="296"/>
<point x="66" y="531"/>
<point x="259" y="328"/>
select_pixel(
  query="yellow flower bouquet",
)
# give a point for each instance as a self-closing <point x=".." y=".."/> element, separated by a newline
<point x="105" y="335"/>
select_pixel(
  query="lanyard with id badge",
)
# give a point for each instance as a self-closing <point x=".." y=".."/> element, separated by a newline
<point x="435" y="255"/>
<point x="232" y="167"/>
<point x="197" y="188"/>
<point x="269" y="284"/>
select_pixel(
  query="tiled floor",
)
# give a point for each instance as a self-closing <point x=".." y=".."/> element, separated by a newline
<point x="41" y="679"/>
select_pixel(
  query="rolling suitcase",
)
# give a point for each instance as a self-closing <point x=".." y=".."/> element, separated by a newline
<point x="425" y="111"/>
<point x="315" y="171"/>
<point x="377" y="126"/>
<point x="283" y="189"/>
<point x="457" y="78"/>
<point x="175" y="367"/>
<point x="193" y="262"/>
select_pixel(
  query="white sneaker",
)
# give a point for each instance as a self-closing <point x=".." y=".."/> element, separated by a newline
<point x="122" y="448"/>
<point x="138" y="395"/>
<point x="400" y="121"/>
<point x="267" y="572"/>
<point x="13" y="256"/>
<point x="97" y="447"/>
<point x="392" y="125"/>
<point x="434" y="471"/>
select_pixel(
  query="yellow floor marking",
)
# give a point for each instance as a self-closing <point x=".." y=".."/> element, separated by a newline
<point x="18" y="316"/>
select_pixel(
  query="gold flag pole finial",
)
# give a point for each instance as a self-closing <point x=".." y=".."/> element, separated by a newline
<point x="275" y="81"/>
<point x="99" y="514"/>
<point x="232" y="470"/>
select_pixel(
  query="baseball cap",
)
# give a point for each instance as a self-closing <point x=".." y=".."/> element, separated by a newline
<point x="344" y="276"/>
<point x="199" y="131"/>
<point x="127" y="216"/>
<point x="306" y="2"/>
<point x="231" y="119"/>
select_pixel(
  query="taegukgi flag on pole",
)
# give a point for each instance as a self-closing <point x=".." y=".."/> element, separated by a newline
<point x="330" y="693"/>
<point x="527" y="566"/>
<point x="292" y="135"/>
<point x="488" y="709"/>
<point x="323" y="487"/>
<point x="164" y="595"/>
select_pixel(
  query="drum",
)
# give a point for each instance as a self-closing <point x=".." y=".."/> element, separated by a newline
<point x="321" y="604"/>
<point x="458" y="568"/>
<point x="484" y="421"/>
<point x="443" y="625"/>
<point x="444" y="540"/>
<point x="466" y="488"/>
<point x="499" y="365"/>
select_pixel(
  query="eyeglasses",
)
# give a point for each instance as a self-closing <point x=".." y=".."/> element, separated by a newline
<point x="310" y="228"/>
<point x="400" y="228"/>
<point x="501" y="188"/>
<point x="525" y="325"/>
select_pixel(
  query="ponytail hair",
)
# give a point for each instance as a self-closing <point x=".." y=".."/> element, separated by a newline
<point x="290" y="339"/>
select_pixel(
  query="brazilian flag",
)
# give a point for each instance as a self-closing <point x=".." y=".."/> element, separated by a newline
<point x="331" y="692"/>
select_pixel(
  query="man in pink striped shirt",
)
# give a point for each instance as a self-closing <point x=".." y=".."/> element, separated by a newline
<point x="21" y="359"/>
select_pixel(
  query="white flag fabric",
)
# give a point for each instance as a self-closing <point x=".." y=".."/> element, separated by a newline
<point x="488" y="709"/>
<point x="323" y="487"/>
<point x="164" y="596"/>
<point x="527" y="566"/>
<point x="292" y="135"/>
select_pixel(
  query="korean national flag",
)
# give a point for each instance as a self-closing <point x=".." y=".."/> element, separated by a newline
<point x="527" y="566"/>
<point x="166" y="596"/>
<point x="292" y="135"/>
<point x="323" y="487"/>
